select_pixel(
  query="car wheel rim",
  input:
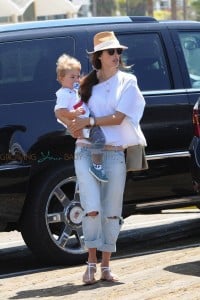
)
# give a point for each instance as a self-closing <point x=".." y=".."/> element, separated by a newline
<point x="64" y="217"/>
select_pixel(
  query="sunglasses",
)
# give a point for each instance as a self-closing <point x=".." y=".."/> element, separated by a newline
<point x="112" y="51"/>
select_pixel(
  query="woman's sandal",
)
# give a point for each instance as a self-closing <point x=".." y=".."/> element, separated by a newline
<point x="88" y="276"/>
<point x="107" y="275"/>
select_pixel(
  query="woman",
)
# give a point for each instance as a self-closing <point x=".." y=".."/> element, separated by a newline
<point x="117" y="104"/>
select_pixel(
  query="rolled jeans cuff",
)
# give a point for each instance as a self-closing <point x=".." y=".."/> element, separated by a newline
<point x="93" y="244"/>
<point x="107" y="248"/>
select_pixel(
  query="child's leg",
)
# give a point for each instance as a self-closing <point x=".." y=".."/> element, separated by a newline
<point x="97" y="158"/>
<point x="97" y="169"/>
<point x="98" y="141"/>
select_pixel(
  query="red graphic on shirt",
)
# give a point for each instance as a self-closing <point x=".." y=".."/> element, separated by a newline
<point x="78" y="106"/>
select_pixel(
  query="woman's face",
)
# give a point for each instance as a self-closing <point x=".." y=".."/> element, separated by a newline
<point x="110" y="58"/>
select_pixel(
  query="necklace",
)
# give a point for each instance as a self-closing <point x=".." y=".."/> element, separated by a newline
<point x="107" y="87"/>
<point x="105" y="83"/>
<point x="103" y="77"/>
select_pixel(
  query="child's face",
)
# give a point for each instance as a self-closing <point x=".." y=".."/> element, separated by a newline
<point x="70" y="78"/>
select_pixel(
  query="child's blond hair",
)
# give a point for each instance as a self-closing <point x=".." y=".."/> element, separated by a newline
<point x="66" y="63"/>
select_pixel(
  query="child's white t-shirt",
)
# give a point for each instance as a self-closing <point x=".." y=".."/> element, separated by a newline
<point x="67" y="98"/>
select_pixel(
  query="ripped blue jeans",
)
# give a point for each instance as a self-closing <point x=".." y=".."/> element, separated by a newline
<point x="101" y="231"/>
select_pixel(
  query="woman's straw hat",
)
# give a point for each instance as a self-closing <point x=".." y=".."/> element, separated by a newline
<point x="106" y="40"/>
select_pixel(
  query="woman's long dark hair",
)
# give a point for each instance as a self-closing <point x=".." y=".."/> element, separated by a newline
<point x="88" y="81"/>
<point x="86" y="85"/>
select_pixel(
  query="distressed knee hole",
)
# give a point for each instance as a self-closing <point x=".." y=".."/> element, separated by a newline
<point x="92" y="214"/>
<point x="121" y="221"/>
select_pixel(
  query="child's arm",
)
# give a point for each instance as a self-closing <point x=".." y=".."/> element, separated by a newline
<point x="69" y="114"/>
<point x="61" y="116"/>
<point x="66" y="116"/>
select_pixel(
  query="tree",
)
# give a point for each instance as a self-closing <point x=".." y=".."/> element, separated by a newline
<point x="150" y="8"/>
<point x="125" y="7"/>
<point x="132" y="7"/>
<point x="196" y="6"/>
<point x="173" y="10"/>
<point x="103" y="7"/>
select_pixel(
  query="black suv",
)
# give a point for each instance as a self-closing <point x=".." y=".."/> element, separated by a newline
<point x="195" y="148"/>
<point x="37" y="179"/>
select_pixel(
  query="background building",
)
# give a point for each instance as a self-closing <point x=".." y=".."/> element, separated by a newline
<point x="30" y="10"/>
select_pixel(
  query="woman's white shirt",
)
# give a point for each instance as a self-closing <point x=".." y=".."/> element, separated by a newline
<point x="120" y="93"/>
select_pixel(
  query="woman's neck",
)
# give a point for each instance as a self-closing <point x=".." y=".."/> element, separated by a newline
<point x="104" y="75"/>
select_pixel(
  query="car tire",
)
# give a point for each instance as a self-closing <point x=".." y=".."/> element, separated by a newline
<point x="51" y="222"/>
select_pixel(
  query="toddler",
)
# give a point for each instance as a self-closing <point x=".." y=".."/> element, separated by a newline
<point x="68" y="101"/>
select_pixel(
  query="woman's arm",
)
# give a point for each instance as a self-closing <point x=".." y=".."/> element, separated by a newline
<point x="110" y="120"/>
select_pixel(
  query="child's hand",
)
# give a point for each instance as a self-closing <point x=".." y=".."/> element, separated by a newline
<point x="79" y="111"/>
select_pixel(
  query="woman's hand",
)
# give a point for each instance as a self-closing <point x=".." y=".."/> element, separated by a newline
<point x="77" y="125"/>
<point x="77" y="134"/>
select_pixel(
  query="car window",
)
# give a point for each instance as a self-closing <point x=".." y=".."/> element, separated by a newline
<point x="190" y="43"/>
<point x="28" y="68"/>
<point x="146" y="56"/>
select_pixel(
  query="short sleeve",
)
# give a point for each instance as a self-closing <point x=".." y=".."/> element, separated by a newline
<point x="63" y="99"/>
<point x="131" y="101"/>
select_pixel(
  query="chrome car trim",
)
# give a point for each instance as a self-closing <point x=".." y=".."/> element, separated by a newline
<point x="168" y="92"/>
<point x="169" y="201"/>
<point x="167" y="155"/>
